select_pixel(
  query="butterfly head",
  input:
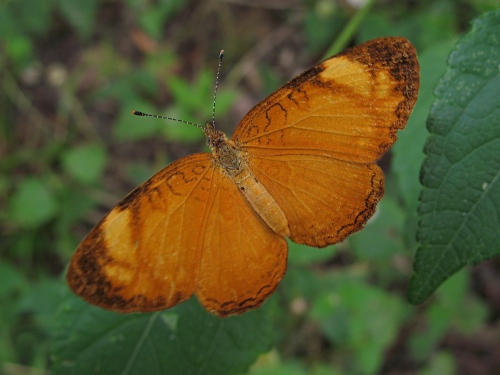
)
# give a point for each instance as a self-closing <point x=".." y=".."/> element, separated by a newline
<point x="215" y="138"/>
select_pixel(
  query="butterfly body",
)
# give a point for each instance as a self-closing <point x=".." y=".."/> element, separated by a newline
<point x="301" y="164"/>
<point x="234" y="163"/>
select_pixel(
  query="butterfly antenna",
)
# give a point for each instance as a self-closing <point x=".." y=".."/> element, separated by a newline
<point x="138" y="113"/>
<point x="221" y="55"/>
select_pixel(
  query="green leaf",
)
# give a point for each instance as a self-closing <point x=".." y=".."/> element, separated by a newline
<point x="442" y="363"/>
<point x="306" y="255"/>
<point x="195" y="99"/>
<point x="140" y="171"/>
<point x="80" y="14"/>
<point x="75" y="204"/>
<point x="195" y="96"/>
<point x="441" y="315"/>
<point x="85" y="163"/>
<point x="12" y="280"/>
<point x="133" y="127"/>
<point x="20" y="49"/>
<point x="127" y="82"/>
<point x="33" y="16"/>
<point x="460" y="202"/>
<point x="179" y="131"/>
<point x="192" y="102"/>
<point x="454" y="296"/>
<point x="42" y="300"/>
<point x="362" y="319"/>
<point x="154" y="17"/>
<point x="32" y="204"/>
<point x="436" y="22"/>
<point x="182" y="340"/>
<point x="380" y="239"/>
<point x="294" y="368"/>
<point x="321" y="22"/>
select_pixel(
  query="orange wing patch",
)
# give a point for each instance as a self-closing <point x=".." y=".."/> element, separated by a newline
<point x="300" y="164"/>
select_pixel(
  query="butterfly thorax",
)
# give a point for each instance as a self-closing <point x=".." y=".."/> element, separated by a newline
<point x="224" y="150"/>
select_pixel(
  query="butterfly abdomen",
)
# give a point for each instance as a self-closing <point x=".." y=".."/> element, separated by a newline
<point x="261" y="201"/>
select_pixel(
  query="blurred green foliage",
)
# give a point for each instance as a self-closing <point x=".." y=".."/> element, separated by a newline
<point x="67" y="139"/>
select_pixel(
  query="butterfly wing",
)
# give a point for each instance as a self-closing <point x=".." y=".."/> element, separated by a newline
<point x="314" y="142"/>
<point x="243" y="260"/>
<point x="145" y="254"/>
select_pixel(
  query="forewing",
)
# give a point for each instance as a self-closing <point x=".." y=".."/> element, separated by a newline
<point x="145" y="254"/>
<point x="243" y="260"/>
<point x="348" y="107"/>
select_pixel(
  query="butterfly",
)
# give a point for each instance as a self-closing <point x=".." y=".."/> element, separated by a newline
<point x="300" y="165"/>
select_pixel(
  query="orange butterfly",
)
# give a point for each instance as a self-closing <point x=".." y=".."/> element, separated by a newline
<point x="301" y="164"/>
